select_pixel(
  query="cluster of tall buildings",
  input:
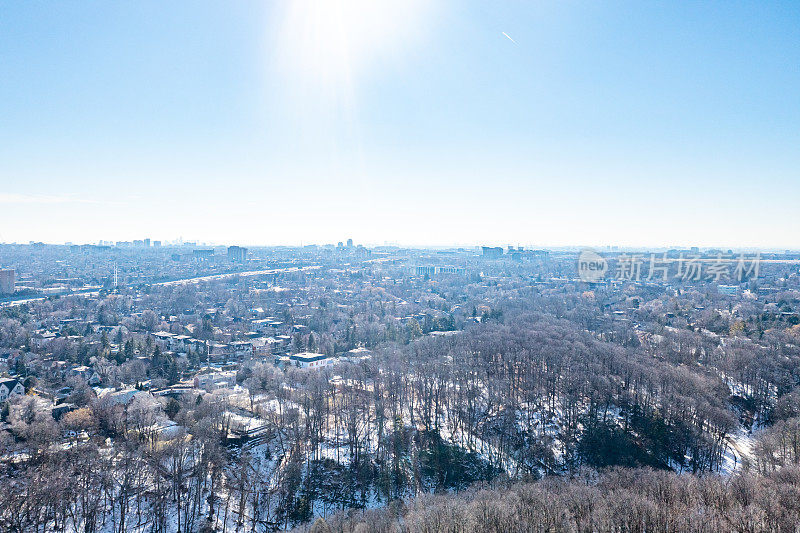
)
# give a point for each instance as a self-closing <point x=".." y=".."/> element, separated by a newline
<point x="517" y="254"/>
<point x="137" y="243"/>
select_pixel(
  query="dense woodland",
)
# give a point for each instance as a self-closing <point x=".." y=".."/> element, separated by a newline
<point x="629" y="500"/>
<point x="534" y="408"/>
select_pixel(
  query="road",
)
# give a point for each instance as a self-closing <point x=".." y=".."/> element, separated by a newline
<point x="183" y="281"/>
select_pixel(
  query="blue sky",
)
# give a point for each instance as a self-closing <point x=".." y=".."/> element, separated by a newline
<point x="415" y="122"/>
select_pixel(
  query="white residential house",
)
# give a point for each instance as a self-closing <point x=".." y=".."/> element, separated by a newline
<point x="121" y="397"/>
<point x="41" y="339"/>
<point x="163" y="339"/>
<point x="312" y="360"/>
<point x="215" y="380"/>
<point x="9" y="386"/>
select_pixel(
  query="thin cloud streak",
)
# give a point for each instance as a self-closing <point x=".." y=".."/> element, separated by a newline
<point x="14" y="198"/>
<point x="509" y="37"/>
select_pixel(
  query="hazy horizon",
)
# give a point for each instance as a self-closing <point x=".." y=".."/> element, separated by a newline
<point x="410" y="245"/>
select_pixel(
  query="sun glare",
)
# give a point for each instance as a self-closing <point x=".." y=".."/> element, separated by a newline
<point x="335" y="43"/>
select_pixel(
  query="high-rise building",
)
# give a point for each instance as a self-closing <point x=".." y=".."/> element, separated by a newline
<point x="492" y="252"/>
<point x="147" y="243"/>
<point x="7" y="281"/>
<point x="237" y="254"/>
<point x="349" y="243"/>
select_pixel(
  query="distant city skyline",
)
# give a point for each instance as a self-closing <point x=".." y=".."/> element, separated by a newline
<point x="416" y="122"/>
<point x="505" y="246"/>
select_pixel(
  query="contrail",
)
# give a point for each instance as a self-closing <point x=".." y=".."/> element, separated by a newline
<point x="509" y="37"/>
